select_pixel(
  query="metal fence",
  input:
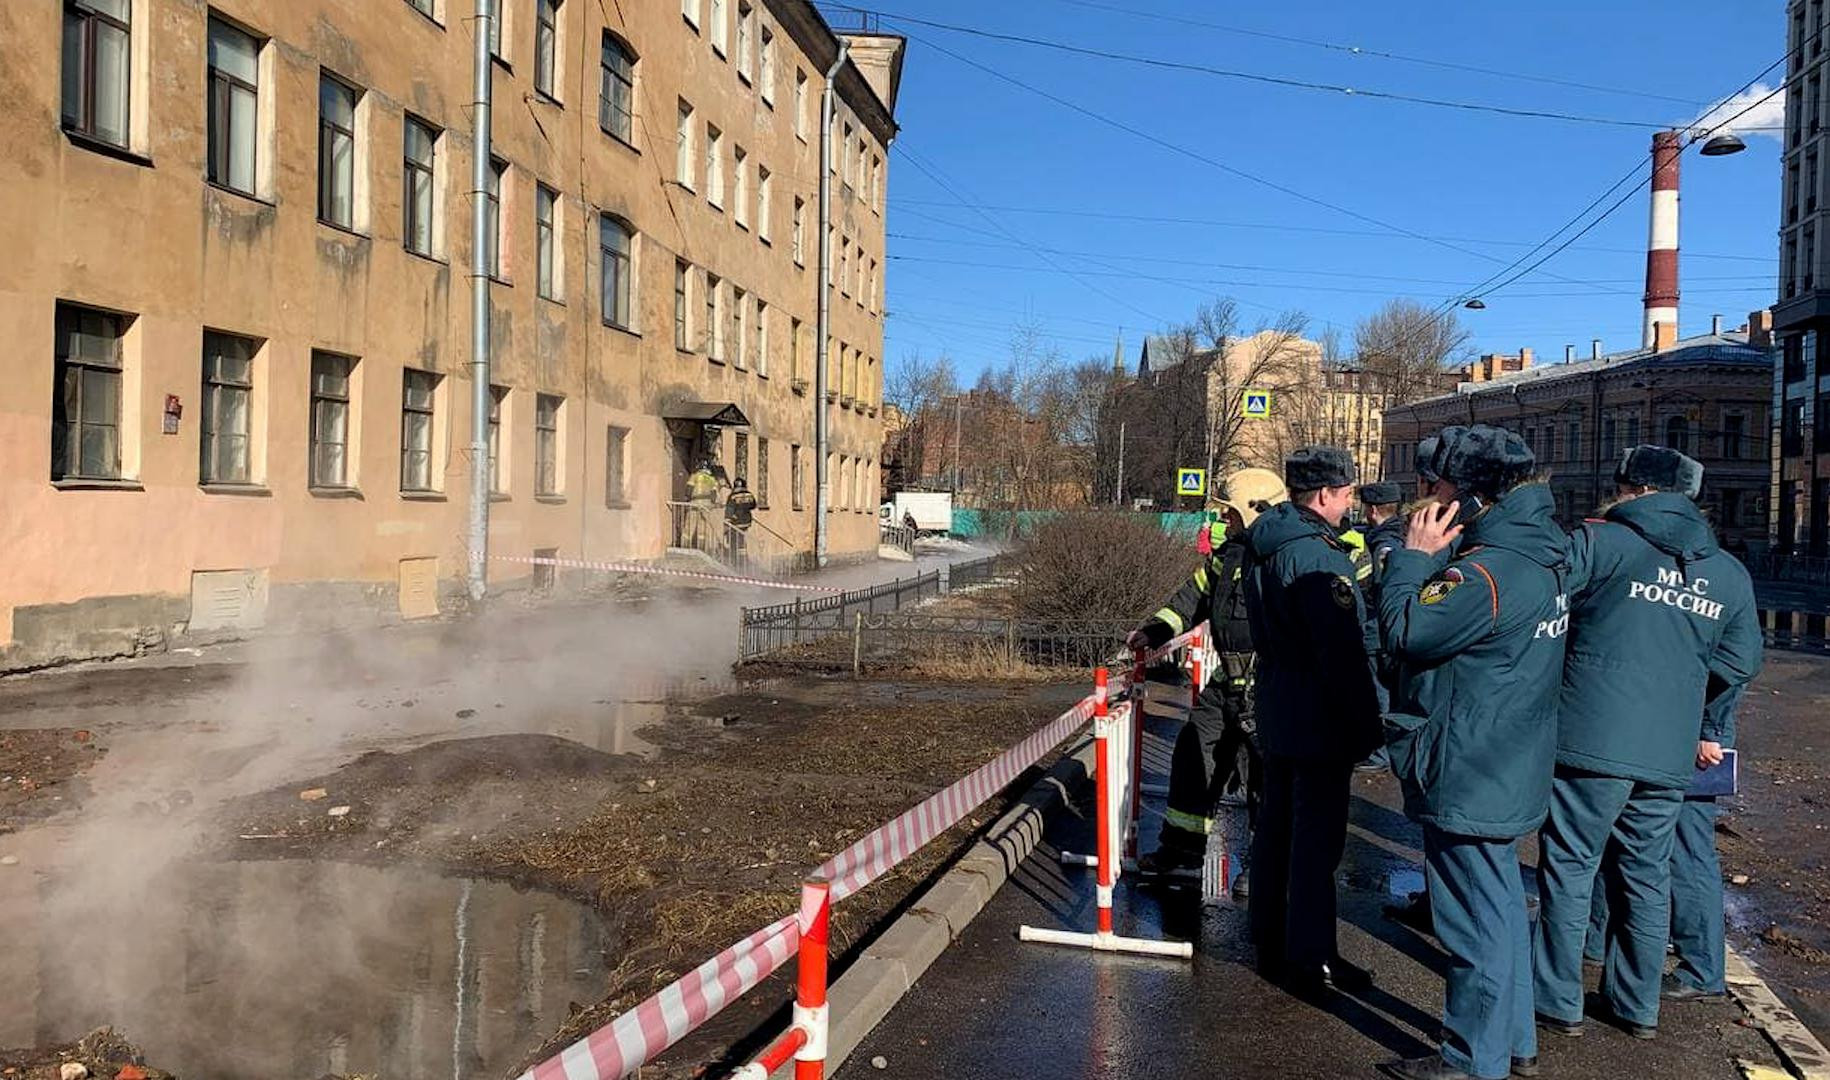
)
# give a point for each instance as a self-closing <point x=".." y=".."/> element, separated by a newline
<point x="768" y="630"/>
<point x="1796" y="631"/>
<point x="968" y="645"/>
<point x="1797" y="569"/>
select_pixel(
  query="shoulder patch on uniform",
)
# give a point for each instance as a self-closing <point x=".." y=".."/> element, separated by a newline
<point x="1342" y="590"/>
<point x="1441" y="585"/>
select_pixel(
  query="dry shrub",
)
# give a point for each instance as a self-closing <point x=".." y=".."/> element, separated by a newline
<point x="1101" y="565"/>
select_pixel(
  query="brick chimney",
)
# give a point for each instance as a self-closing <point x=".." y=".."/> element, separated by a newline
<point x="1760" y="329"/>
<point x="1664" y="335"/>
<point x="1524" y="359"/>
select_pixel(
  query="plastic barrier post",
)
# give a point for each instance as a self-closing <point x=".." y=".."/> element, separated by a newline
<point x="804" y="1043"/>
<point x="1196" y="645"/>
<point x="1109" y="800"/>
<point x="1138" y="696"/>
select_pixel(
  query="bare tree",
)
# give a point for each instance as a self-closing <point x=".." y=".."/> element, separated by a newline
<point x="1405" y="348"/>
<point x="1275" y="358"/>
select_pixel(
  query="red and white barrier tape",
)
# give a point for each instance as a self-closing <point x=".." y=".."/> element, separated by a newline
<point x="634" y="1038"/>
<point x="662" y="571"/>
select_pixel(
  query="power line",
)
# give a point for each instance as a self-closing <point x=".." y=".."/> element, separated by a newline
<point x="903" y="205"/>
<point x="1293" y="270"/>
<point x="1260" y="77"/>
<point x="1360" y="51"/>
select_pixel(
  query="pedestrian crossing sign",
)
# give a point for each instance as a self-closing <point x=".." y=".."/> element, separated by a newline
<point x="1255" y="404"/>
<point x="1191" y="481"/>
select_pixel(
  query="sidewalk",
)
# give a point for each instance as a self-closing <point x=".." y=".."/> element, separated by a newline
<point x="993" y="1007"/>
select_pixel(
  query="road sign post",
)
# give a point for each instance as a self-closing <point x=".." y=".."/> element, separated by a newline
<point x="1191" y="482"/>
<point x="1255" y="404"/>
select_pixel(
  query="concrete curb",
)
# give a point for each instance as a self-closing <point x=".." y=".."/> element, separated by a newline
<point x="1803" y="1054"/>
<point x="890" y="966"/>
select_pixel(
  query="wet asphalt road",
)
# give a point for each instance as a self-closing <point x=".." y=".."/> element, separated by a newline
<point x="993" y="1007"/>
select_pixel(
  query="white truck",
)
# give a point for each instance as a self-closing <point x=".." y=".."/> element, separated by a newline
<point x="932" y="510"/>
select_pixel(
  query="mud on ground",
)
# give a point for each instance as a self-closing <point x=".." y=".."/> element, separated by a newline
<point x="41" y="772"/>
<point x="1775" y="838"/>
<point x="103" y="1053"/>
<point x="682" y="854"/>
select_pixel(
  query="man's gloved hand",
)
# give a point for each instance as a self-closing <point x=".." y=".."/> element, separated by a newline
<point x="1152" y="634"/>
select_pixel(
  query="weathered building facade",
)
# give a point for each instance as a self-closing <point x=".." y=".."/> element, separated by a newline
<point x="238" y="296"/>
<point x="1800" y="514"/>
<point x="1709" y="396"/>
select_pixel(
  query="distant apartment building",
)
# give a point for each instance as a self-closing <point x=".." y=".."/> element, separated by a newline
<point x="1708" y="396"/>
<point x="1800" y="513"/>
<point x="238" y="297"/>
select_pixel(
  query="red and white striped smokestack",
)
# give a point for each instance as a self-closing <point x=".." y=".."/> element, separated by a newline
<point x="1662" y="238"/>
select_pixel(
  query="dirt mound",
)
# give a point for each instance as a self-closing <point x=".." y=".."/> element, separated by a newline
<point x="105" y="1054"/>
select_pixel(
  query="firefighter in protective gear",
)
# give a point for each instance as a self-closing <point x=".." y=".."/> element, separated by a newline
<point x="1213" y="755"/>
<point x="1318" y="714"/>
<point x="1662" y="622"/>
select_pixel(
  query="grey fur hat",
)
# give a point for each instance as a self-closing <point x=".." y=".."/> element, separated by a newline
<point x="1659" y="467"/>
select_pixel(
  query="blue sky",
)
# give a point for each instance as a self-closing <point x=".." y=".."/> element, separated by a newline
<point x="1001" y="201"/>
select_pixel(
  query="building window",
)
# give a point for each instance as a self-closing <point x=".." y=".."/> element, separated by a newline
<point x="234" y="106"/>
<point x="1792" y="428"/>
<point x="740" y="194"/>
<point x="498" y="406"/>
<point x="765" y="73"/>
<point x="97" y="65"/>
<point x="1789" y="271"/>
<point x="495" y="28"/>
<point x="746" y="36"/>
<point x="1808" y="354"/>
<point x="546" y="443"/>
<point x="330" y="419"/>
<point x="417" y="202"/>
<point x="336" y="153"/>
<point x="418" y="398"/>
<point x="795" y="479"/>
<point x="712" y="329"/>
<point x="546" y="202"/>
<point x="682" y="273"/>
<point x="714" y="166"/>
<point x="1823" y="420"/>
<point x="616" y="105"/>
<point x="742" y="458"/>
<point x="794" y="348"/>
<point x="1677" y="434"/>
<point x="1792" y="193"/>
<point x="1572" y="446"/>
<point x="683" y="147"/>
<point x="1734" y="430"/>
<point x="764" y="204"/>
<point x="800" y="104"/>
<point x="1731" y="508"/>
<point x="689" y="10"/>
<point x="1792" y="349"/>
<point x="845" y="176"/>
<point x="740" y="329"/>
<point x="762" y="339"/>
<point x="228" y="391"/>
<point x="762" y="474"/>
<point x="86" y="408"/>
<point x="492" y="222"/>
<point x="1607" y="439"/>
<point x="718" y="28"/>
<point x="615" y="244"/>
<point x="797" y="232"/>
<point x="546" y="46"/>
<point x="426" y="8"/>
<point x="1633" y="430"/>
<point x="1807" y="271"/>
<point x="616" y="459"/>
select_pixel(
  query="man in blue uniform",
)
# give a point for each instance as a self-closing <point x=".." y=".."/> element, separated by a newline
<point x="1318" y="714"/>
<point x="1214" y="747"/>
<point x="1478" y="645"/>
<point x="1662" y="621"/>
<point x="1384" y="535"/>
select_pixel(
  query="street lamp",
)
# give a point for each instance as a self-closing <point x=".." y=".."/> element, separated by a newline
<point x="1476" y="304"/>
<point x="1722" y="145"/>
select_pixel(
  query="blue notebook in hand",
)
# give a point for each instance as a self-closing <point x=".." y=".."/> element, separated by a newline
<point x="1723" y="778"/>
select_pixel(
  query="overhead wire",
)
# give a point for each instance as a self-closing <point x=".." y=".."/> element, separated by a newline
<point x="1253" y="76"/>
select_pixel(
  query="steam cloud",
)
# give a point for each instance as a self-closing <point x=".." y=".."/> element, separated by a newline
<point x="1758" y="110"/>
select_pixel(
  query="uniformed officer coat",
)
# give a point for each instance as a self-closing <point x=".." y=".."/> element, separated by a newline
<point x="1315" y="692"/>
<point x="1659" y="614"/>
<point x="1478" y="649"/>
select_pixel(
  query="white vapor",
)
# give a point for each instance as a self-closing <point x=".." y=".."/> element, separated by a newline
<point x="1758" y="110"/>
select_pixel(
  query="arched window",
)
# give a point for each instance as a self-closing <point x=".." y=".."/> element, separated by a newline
<point x="616" y="246"/>
<point x="616" y="101"/>
<point x="1677" y="434"/>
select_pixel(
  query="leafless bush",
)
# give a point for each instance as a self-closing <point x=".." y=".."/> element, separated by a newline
<point x="1099" y="565"/>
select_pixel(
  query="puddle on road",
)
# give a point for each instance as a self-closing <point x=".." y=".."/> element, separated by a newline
<point x="302" y="969"/>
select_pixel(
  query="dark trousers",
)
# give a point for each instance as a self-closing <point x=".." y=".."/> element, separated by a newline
<point x="1213" y="755"/>
<point x="1296" y="847"/>
<point x="1634" y="824"/>
<point x="1479" y="905"/>
<point x="1696" y="902"/>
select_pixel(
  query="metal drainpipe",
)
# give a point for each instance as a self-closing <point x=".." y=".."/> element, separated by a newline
<point x="479" y="318"/>
<point x="823" y="322"/>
